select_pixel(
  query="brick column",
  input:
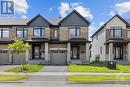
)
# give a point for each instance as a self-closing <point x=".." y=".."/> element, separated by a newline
<point x="46" y="53"/>
<point x="27" y="54"/>
<point x="111" y="57"/>
<point x="68" y="53"/>
<point x="87" y="52"/>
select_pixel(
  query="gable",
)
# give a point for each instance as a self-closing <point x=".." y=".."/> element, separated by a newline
<point x="74" y="19"/>
<point x="116" y="21"/>
<point x="39" y="21"/>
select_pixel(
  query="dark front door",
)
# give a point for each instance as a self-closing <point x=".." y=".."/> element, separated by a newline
<point x="36" y="52"/>
<point x="118" y="52"/>
<point x="75" y="52"/>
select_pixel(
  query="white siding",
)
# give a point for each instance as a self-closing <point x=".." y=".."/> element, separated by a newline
<point x="116" y="22"/>
<point x="96" y="44"/>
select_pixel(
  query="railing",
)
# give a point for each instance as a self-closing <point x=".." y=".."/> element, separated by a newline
<point x="118" y="33"/>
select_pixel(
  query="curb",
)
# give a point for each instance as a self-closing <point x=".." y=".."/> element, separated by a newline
<point x="103" y="82"/>
<point x="11" y="82"/>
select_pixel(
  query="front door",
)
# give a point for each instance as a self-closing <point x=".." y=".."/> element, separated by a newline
<point x="36" y="52"/>
<point x="118" y="52"/>
<point x="75" y="52"/>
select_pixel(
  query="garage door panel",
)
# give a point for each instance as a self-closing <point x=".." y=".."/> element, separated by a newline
<point x="4" y="58"/>
<point x="58" y="57"/>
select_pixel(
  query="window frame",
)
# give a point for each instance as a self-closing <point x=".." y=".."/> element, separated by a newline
<point x="42" y="31"/>
<point x="23" y="29"/>
<point x="77" y="27"/>
<point x="2" y="30"/>
<point x="114" y="29"/>
<point x="128" y="33"/>
<point x="53" y="33"/>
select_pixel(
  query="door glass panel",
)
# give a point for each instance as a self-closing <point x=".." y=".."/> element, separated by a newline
<point x="118" y="52"/>
<point x="37" y="52"/>
<point x="74" y="53"/>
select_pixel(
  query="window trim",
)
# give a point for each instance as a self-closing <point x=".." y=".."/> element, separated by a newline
<point x="113" y="30"/>
<point x="23" y="29"/>
<point x="2" y="29"/>
<point x="76" y="28"/>
<point x="127" y="33"/>
<point x="42" y="33"/>
<point x="52" y="33"/>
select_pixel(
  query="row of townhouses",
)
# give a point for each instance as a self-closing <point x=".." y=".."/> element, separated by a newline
<point x="53" y="41"/>
<point x="65" y="40"/>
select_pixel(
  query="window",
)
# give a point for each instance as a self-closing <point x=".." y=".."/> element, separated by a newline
<point x="74" y="31"/>
<point x="38" y="31"/>
<point x="116" y="31"/>
<point x="21" y="32"/>
<point x="55" y="33"/>
<point x="4" y="32"/>
<point x="128" y="33"/>
<point x="97" y="37"/>
<point x="100" y="50"/>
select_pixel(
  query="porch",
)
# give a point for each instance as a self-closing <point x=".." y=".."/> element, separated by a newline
<point x="118" y="52"/>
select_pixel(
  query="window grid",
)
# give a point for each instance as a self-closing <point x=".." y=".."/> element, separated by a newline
<point x="4" y="32"/>
<point x="74" y="30"/>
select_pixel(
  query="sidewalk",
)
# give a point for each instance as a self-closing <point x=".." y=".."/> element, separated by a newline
<point x="61" y="73"/>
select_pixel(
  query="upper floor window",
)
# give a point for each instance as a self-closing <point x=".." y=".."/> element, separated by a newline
<point x="4" y="32"/>
<point x="116" y="31"/>
<point x="38" y="31"/>
<point x="21" y="33"/>
<point x="74" y="30"/>
<point x="54" y="33"/>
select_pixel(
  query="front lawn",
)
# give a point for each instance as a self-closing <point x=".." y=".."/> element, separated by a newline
<point x="27" y="67"/>
<point x="12" y="77"/>
<point x="97" y="78"/>
<point x="90" y="68"/>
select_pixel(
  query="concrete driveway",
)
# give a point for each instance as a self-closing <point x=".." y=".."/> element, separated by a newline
<point x="6" y="67"/>
<point x="49" y="80"/>
<point x="55" y="69"/>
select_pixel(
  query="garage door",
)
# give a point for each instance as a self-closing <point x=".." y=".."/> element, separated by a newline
<point x="4" y="57"/>
<point x="59" y="57"/>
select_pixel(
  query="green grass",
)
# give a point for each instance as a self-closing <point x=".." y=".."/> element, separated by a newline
<point x="89" y="68"/>
<point x="12" y="77"/>
<point x="29" y="68"/>
<point x="97" y="78"/>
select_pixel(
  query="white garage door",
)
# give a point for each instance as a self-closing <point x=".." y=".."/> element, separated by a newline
<point x="58" y="57"/>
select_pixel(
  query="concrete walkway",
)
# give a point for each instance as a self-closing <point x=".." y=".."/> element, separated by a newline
<point x="6" y="67"/>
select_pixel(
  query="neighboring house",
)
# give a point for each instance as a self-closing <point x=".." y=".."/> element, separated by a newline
<point x="112" y="41"/>
<point x="53" y="41"/>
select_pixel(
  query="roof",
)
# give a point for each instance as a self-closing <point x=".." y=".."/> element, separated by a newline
<point x="127" y="22"/>
<point x="36" y="18"/>
<point x="54" y="21"/>
<point x="74" y="11"/>
<point x="13" y="21"/>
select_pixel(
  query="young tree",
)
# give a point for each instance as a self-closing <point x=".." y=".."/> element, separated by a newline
<point x="18" y="47"/>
